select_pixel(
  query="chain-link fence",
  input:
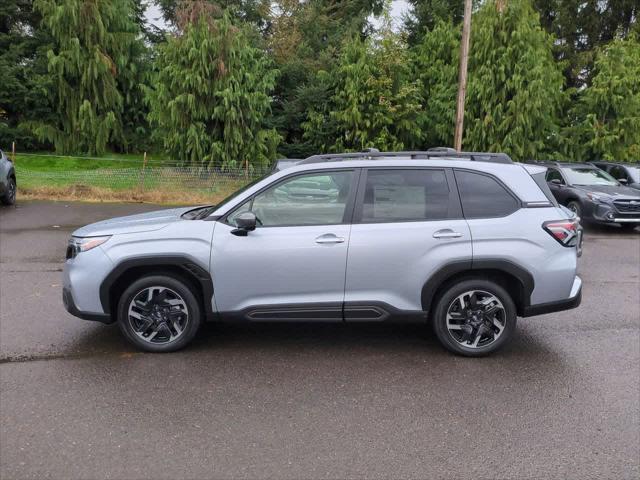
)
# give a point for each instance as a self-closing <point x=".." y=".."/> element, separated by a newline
<point x="125" y="179"/>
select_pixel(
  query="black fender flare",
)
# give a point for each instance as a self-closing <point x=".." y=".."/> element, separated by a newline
<point x="444" y="273"/>
<point x="186" y="265"/>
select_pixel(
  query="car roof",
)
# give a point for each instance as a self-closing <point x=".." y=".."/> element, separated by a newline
<point x="372" y="155"/>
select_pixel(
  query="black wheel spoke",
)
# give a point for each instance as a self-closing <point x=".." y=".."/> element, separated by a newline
<point x="475" y="319"/>
<point x="158" y="315"/>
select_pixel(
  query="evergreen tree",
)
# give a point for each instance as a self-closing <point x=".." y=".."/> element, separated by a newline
<point x="24" y="82"/>
<point x="374" y="102"/>
<point x="435" y="63"/>
<point x="91" y="53"/>
<point x="210" y="96"/>
<point x="515" y="86"/>
<point x="425" y="15"/>
<point x="581" y="27"/>
<point x="610" y="109"/>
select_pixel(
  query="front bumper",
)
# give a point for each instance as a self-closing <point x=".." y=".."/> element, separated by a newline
<point x="81" y="280"/>
<point x="608" y="213"/>
<point x="574" y="299"/>
<point x="70" y="306"/>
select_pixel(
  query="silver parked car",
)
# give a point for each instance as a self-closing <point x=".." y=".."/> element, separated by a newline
<point x="467" y="241"/>
<point x="7" y="180"/>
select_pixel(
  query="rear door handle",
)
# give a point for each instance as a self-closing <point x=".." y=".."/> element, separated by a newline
<point x="329" y="238"/>
<point x="447" y="233"/>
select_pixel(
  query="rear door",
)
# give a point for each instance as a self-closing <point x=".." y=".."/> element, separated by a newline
<point x="407" y="224"/>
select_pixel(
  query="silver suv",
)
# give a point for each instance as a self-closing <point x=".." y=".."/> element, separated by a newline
<point x="467" y="241"/>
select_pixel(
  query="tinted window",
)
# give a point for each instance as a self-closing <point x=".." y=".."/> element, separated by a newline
<point x="553" y="174"/>
<point x="313" y="199"/>
<point x="618" y="172"/>
<point x="483" y="197"/>
<point x="405" y="195"/>
<point x="588" y="176"/>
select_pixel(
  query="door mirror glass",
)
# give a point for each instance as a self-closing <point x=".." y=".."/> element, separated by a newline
<point x="556" y="181"/>
<point x="246" y="222"/>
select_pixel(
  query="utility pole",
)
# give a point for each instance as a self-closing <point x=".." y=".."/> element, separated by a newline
<point x="462" y="75"/>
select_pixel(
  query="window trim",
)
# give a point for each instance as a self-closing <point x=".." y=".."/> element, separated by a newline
<point x="454" y="200"/>
<point x="519" y="203"/>
<point x="348" y="209"/>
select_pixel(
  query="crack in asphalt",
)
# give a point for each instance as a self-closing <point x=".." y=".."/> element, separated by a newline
<point x="45" y="357"/>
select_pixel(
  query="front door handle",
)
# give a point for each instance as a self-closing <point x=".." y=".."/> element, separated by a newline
<point x="447" y="233"/>
<point x="329" y="238"/>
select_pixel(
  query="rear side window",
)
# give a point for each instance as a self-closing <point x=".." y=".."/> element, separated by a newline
<point x="540" y="180"/>
<point x="483" y="197"/>
<point x="405" y="195"/>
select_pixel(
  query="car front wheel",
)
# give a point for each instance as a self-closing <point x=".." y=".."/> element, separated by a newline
<point x="474" y="317"/>
<point x="575" y="207"/>
<point x="159" y="313"/>
<point x="9" y="198"/>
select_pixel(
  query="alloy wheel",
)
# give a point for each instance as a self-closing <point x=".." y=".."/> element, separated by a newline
<point x="476" y="319"/>
<point x="158" y="315"/>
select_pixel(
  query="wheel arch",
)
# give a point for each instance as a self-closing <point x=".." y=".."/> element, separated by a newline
<point x="516" y="280"/>
<point x="132" y="269"/>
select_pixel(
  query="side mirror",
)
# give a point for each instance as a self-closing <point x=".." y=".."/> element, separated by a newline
<point x="622" y="181"/>
<point x="246" y="222"/>
<point x="556" y="181"/>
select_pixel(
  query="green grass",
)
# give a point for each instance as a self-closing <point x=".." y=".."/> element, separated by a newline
<point x="46" y="162"/>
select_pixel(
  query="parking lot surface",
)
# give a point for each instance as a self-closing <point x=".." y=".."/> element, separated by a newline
<point x="562" y="400"/>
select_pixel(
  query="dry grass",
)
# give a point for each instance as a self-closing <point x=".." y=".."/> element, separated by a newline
<point x="87" y="193"/>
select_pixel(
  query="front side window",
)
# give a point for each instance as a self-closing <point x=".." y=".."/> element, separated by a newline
<point x="311" y="199"/>
<point x="553" y="174"/>
<point x="405" y="195"/>
<point x="483" y="196"/>
<point x="588" y="176"/>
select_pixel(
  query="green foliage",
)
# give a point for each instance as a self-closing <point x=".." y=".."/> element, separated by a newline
<point x="515" y="86"/>
<point x="426" y="14"/>
<point x="210" y="97"/>
<point x="609" y="111"/>
<point x="581" y="27"/>
<point x="23" y="72"/>
<point x="92" y="52"/>
<point x="374" y="101"/>
<point x="435" y="65"/>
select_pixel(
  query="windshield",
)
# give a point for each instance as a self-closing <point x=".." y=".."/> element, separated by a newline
<point x="588" y="176"/>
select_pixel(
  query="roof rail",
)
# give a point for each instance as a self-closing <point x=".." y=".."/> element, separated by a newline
<point x="439" y="152"/>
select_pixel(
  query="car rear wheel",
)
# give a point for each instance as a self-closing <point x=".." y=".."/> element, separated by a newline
<point x="9" y="197"/>
<point x="159" y="313"/>
<point x="474" y="317"/>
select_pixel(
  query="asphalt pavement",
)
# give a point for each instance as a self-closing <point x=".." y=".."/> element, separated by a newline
<point x="562" y="400"/>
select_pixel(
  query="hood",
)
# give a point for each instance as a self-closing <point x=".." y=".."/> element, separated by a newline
<point x="142" y="222"/>
<point x="615" y="191"/>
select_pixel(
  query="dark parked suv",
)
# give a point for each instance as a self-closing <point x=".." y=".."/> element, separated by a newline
<point x="593" y="194"/>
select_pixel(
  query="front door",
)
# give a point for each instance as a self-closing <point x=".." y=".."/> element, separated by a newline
<point x="292" y="266"/>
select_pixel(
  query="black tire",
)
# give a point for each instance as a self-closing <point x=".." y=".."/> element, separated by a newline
<point x="575" y="206"/>
<point x="445" y="302"/>
<point x="178" y="289"/>
<point x="9" y="197"/>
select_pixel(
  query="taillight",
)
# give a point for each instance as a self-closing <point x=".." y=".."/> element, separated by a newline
<point x="564" y="231"/>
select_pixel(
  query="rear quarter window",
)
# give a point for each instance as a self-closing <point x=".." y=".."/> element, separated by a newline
<point x="482" y="196"/>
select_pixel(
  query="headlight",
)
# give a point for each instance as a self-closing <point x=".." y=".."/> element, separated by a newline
<point x="597" y="197"/>
<point x="82" y="244"/>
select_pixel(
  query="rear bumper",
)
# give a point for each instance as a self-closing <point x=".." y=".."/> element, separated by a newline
<point x="575" y="297"/>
